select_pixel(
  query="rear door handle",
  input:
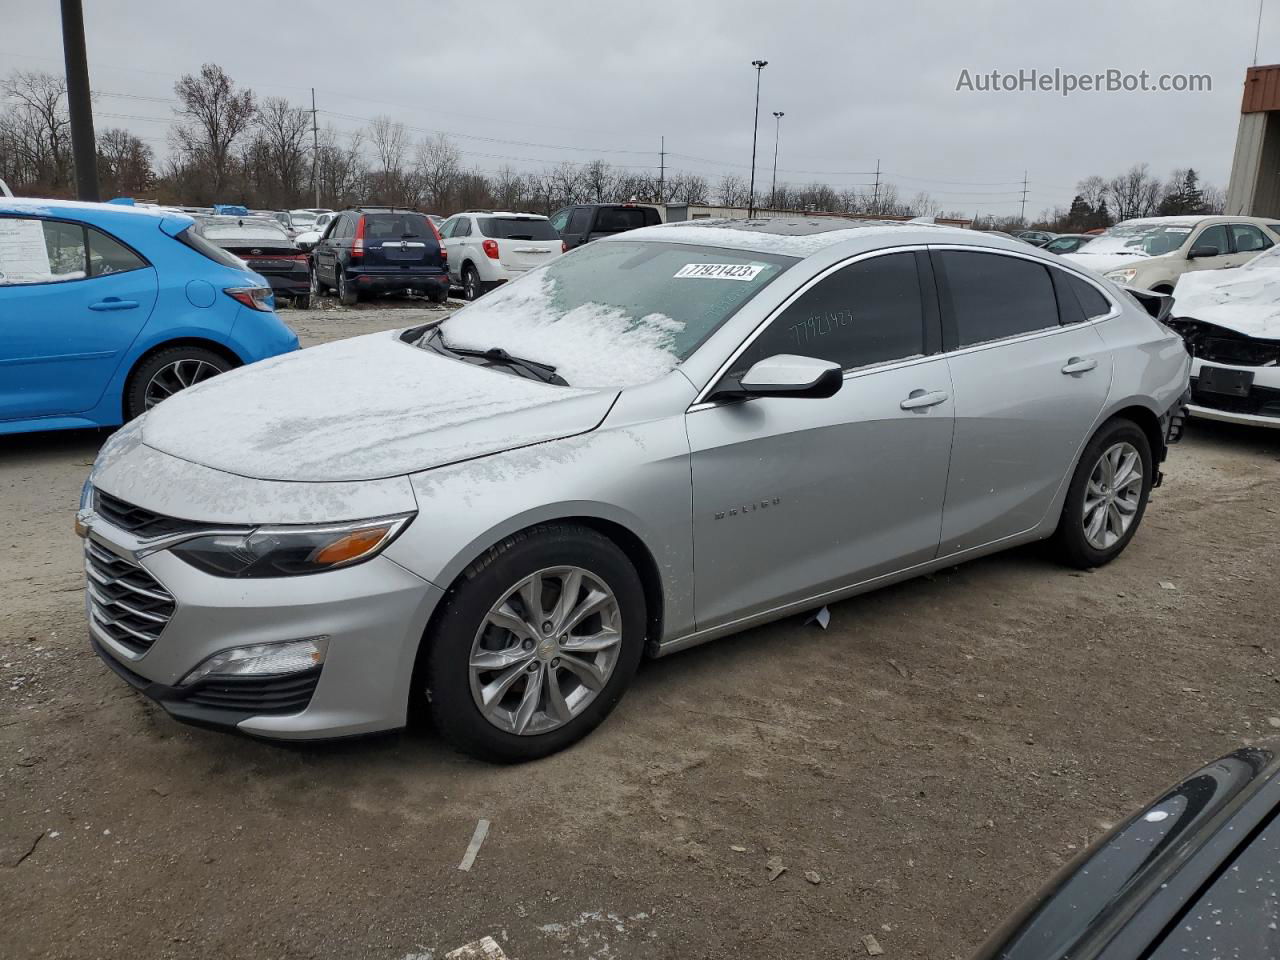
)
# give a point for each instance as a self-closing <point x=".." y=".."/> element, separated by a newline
<point x="1077" y="365"/>
<point x="114" y="303"/>
<point x="919" y="399"/>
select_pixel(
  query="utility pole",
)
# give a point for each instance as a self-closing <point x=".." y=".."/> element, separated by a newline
<point x="1023" y="215"/>
<point x="315" y="148"/>
<point x="777" y="132"/>
<point x="751" y="195"/>
<point x="83" y="149"/>
<point x="875" y="196"/>
<point x="662" y="168"/>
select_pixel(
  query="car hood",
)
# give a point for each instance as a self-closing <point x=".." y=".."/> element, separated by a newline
<point x="1245" y="300"/>
<point x="360" y="409"/>
<point x="1102" y="262"/>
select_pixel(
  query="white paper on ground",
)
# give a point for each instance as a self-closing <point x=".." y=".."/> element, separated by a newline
<point x="821" y="618"/>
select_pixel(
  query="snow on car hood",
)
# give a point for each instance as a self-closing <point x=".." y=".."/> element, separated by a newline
<point x="1245" y="300"/>
<point x="1102" y="262"/>
<point x="363" y="408"/>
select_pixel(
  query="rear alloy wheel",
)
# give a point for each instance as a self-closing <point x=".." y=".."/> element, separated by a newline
<point x="347" y="296"/>
<point x="470" y="283"/>
<point x="535" y="644"/>
<point x="317" y="288"/>
<point x="168" y="372"/>
<point x="1107" y="497"/>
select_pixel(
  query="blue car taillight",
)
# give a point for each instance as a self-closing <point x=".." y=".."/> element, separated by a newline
<point x="255" y="298"/>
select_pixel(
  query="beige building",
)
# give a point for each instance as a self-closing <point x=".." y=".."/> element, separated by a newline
<point x="1254" y="188"/>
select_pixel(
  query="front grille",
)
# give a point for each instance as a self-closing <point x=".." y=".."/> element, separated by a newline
<point x="1240" y="352"/>
<point x="290" y="693"/>
<point x="142" y="523"/>
<point x="125" y="602"/>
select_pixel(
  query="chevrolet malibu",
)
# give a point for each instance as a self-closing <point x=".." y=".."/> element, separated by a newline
<point x="657" y="440"/>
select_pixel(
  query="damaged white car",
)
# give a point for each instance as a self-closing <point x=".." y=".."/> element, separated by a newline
<point x="1231" y="323"/>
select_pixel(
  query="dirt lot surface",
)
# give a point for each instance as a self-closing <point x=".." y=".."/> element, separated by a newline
<point x="932" y="757"/>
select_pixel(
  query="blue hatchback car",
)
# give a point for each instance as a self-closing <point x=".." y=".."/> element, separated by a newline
<point x="105" y="310"/>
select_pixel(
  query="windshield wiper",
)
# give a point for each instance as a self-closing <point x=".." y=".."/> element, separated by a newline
<point x="544" y="372"/>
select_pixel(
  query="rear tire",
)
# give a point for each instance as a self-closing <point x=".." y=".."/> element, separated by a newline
<point x="168" y="372"/>
<point x="465" y="631"/>
<point x="1105" y="502"/>
<point x="471" y="286"/>
<point x="438" y="294"/>
<point x="302" y="302"/>
<point x="347" y="294"/>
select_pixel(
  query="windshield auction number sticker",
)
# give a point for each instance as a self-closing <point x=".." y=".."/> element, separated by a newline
<point x="718" y="271"/>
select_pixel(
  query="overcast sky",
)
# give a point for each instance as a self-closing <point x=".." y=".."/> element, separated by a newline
<point x="540" y="81"/>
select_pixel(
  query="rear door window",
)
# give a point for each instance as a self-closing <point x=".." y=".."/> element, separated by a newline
<point x="1248" y="238"/>
<point x="109" y="255"/>
<point x="517" y="228"/>
<point x="579" y="221"/>
<point x="868" y="312"/>
<point x="992" y="296"/>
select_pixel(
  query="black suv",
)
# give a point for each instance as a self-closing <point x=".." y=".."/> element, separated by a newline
<point x="584" y="222"/>
<point x="379" y="249"/>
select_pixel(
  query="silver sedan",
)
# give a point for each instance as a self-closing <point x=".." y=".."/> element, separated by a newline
<point x="656" y="440"/>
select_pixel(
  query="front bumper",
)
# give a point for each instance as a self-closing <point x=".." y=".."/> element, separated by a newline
<point x="373" y="615"/>
<point x="1260" y="408"/>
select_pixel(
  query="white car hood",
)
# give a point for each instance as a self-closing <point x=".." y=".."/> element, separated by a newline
<point x="1245" y="300"/>
<point x="363" y="408"/>
<point x="1102" y="262"/>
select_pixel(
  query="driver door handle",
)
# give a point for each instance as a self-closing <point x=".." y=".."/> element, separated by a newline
<point x="919" y="399"/>
<point x="1077" y="365"/>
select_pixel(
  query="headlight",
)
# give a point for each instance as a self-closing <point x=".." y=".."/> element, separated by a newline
<point x="292" y="656"/>
<point x="290" y="551"/>
<point x="1122" y="276"/>
<point x="82" y="511"/>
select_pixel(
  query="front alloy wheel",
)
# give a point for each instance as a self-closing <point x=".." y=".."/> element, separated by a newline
<point x="545" y="650"/>
<point x="534" y="643"/>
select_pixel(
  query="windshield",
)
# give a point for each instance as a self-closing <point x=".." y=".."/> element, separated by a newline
<point x="1140" y="239"/>
<point x="517" y="228"/>
<point x="244" y="231"/>
<point x="618" y="313"/>
<point x="302" y="219"/>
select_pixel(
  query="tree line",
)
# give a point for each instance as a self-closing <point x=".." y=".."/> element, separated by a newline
<point x="229" y="145"/>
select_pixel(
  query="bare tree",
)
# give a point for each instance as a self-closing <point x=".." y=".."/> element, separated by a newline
<point x="37" y="130"/>
<point x="508" y="189"/>
<point x="1092" y="190"/>
<point x="340" y="168"/>
<point x="124" y="163"/>
<point x="390" y="144"/>
<point x="732" y="191"/>
<point x="213" y="116"/>
<point x="438" y="166"/>
<point x="282" y="131"/>
<point x="1134" y="193"/>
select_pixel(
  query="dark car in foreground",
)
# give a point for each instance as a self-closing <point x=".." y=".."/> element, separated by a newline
<point x="585" y="222"/>
<point x="368" y="250"/>
<point x="267" y="248"/>
<point x="1194" y="875"/>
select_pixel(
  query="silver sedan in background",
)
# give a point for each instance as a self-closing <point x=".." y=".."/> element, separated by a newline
<point x="656" y="440"/>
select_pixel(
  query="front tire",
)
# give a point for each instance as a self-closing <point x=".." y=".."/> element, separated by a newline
<point x="535" y="644"/>
<point x="167" y="372"/>
<point x="1107" y="497"/>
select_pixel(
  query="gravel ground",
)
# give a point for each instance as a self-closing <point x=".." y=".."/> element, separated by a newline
<point x="932" y="757"/>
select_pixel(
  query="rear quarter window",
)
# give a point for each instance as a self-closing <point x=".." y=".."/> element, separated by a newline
<point x="190" y="238"/>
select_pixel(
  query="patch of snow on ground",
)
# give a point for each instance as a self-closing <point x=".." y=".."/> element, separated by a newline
<point x="591" y="346"/>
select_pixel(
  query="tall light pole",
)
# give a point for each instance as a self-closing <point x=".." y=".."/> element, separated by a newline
<point x="777" y="132"/>
<point x="751" y="196"/>
<point x="83" y="150"/>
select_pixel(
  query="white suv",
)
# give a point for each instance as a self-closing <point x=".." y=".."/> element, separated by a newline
<point x="486" y="249"/>
<point x="1153" y="252"/>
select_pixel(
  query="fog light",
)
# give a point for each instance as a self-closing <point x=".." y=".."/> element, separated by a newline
<point x="262" y="659"/>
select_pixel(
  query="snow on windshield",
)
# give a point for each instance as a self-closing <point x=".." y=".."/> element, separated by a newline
<point x="1140" y="239"/>
<point x="615" y="313"/>
<point x="592" y="345"/>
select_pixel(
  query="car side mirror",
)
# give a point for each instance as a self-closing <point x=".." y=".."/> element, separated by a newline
<point x="1203" y="250"/>
<point x="787" y="375"/>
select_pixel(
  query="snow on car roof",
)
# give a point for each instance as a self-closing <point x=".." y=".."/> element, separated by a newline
<point x="1188" y="221"/>
<point x="51" y="207"/>
<point x="794" y="236"/>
